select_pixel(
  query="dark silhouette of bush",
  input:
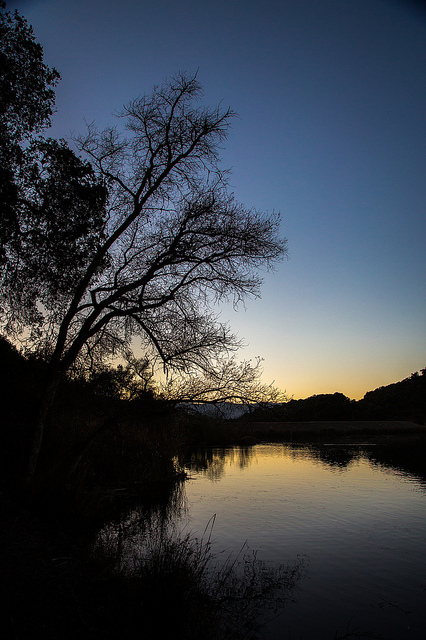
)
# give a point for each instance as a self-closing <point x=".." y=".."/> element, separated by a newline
<point x="20" y="389"/>
<point x="109" y="437"/>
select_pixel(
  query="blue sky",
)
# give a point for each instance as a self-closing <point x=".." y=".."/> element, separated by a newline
<point x="331" y="97"/>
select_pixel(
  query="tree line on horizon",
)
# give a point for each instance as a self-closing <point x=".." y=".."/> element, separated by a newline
<point x="132" y="383"/>
<point x="115" y="427"/>
<point x="404" y="400"/>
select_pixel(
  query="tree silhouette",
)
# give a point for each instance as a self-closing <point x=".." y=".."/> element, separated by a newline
<point x="141" y="243"/>
<point x="27" y="101"/>
<point x="59" y="220"/>
<point x="52" y="204"/>
<point x="231" y="382"/>
<point x="175" y="243"/>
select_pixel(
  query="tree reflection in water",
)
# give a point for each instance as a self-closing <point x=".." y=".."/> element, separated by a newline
<point x="212" y="460"/>
<point x="198" y="597"/>
<point x="125" y="538"/>
<point x="404" y="456"/>
<point x="202" y="597"/>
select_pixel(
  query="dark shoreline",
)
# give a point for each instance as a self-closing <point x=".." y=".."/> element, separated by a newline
<point x="374" y="430"/>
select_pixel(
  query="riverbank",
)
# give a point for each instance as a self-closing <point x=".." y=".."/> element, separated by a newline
<point x="330" y="430"/>
<point x="59" y="587"/>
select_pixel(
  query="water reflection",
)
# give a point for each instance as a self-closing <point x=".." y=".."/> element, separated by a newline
<point x="139" y="518"/>
<point x="409" y="459"/>
<point x="405" y="458"/>
<point x="337" y="457"/>
<point x="212" y="461"/>
<point x="199" y="595"/>
<point x="356" y="511"/>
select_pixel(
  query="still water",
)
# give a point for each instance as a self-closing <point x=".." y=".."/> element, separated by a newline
<point x="357" y="515"/>
<point x="354" y="517"/>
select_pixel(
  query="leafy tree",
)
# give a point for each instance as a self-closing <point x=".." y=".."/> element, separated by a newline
<point x="52" y="204"/>
<point x="27" y="101"/>
<point x="150" y="257"/>
<point x="58" y="227"/>
<point x="27" y="97"/>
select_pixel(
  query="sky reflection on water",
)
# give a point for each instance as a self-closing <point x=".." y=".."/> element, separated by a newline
<point x="356" y="513"/>
<point x="355" y="516"/>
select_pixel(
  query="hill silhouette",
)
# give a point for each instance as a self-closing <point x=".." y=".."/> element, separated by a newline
<point x="404" y="400"/>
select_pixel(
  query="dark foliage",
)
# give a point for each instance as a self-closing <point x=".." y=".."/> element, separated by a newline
<point x="94" y="438"/>
<point x="20" y="388"/>
<point x="334" y="406"/>
<point x="320" y="407"/>
<point x="52" y="205"/>
<point x="404" y="400"/>
<point x="27" y="97"/>
<point x="27" y="101"/>
<point x="58" y="226"/>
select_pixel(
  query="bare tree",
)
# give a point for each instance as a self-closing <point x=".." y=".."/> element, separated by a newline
<point x="227" y="381"/>
<point x="175" y="243"/>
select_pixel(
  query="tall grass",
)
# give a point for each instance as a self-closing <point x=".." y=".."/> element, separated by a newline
<point x="177" y="588"/>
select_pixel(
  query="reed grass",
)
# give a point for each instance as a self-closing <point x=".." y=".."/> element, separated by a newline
<point x="178" y="589"/>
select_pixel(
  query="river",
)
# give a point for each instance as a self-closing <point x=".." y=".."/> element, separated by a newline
<point x="352" y="516"/>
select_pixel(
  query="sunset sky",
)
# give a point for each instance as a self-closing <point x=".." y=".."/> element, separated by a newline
<point x="331" y="97"/>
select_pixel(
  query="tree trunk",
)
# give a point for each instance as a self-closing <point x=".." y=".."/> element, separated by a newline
<point x="47" y="400"/>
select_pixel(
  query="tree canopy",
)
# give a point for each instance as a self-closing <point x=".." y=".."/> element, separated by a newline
<point x="27" y="96"/>
<point x="52" y="203"/>
<point x="58" y="226"/>
<point x="27" y="100"/>
<point x="140" y="243"/>
<point x="178" y="242"/>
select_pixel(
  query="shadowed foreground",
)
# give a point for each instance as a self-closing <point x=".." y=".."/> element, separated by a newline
<point x="40" y="569"/>
<point x="56" y="586"/>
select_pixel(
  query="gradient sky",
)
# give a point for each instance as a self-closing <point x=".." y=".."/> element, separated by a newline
<point x="331" y="96"/>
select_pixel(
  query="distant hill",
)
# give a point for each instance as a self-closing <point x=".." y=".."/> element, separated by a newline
<point x="404" y="400"/>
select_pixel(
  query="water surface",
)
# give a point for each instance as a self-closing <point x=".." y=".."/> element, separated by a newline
<point x="356" y="513"/>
